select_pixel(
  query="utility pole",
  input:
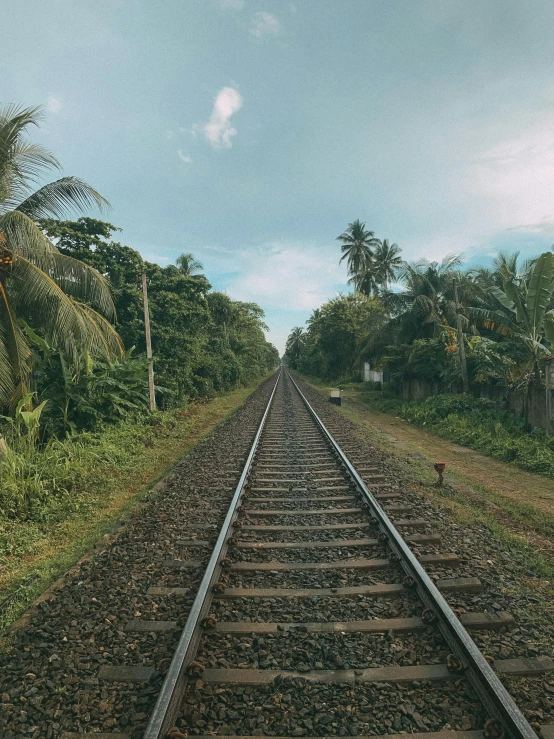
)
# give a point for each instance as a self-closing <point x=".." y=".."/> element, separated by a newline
<point x="461" y="347"/>
<point x="148" y="344"/>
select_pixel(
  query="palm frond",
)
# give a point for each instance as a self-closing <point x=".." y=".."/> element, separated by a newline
<point x="78" y="280"/>
<point x="102" y="338"/>
<point x="21" y="163"/>
<point x="75" y="278"/>
<point x="15" y="355"/>
<point x="61" y="197"/>
<point x="38" y="297"/>
<point x="23" y="236"/>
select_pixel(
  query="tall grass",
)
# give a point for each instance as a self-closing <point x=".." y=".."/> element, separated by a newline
<point x="46" y="482"/>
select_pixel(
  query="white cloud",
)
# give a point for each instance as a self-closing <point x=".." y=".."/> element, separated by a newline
<point x="286" y="275"/>
<point x="53" y="105"/>
<point x="264" y="24"/>
<point x="183" y="157"/>
<point x="516" y="177"/>
<point x="232" y="4"/>
<point x="544" y="227"/>
<point x="218" y="130"/>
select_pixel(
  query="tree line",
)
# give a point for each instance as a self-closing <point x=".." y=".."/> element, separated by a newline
<point x="72" y="340"/>
<point x="496" y="324"/>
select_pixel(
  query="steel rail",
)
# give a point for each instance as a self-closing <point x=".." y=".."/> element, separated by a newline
<point x="490" y="690"/>
<point x="173" y="688"/>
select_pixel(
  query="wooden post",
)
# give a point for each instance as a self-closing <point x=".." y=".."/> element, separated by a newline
<point x="148" y="345"/>
<point x="461" y="347"/>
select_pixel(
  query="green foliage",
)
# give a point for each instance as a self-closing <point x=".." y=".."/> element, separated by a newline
<point x="523" y="308"/>
<point x="49" y="482"/>
<point x="330" y="346"/>
<point x="506" y="316"/>
<point x="203" y="342"/>
<point x="424" y="359"/>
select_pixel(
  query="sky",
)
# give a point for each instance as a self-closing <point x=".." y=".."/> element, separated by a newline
<point x="251" y="132"/>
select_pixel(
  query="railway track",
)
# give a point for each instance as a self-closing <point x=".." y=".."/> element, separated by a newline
<point x="310" y="593"/>
<point x="318" y="567"/>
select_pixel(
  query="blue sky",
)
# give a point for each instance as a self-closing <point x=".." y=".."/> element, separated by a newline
<point x="250" y="132"/>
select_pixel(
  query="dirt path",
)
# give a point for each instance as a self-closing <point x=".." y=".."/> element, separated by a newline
<point x="506" y="479"/>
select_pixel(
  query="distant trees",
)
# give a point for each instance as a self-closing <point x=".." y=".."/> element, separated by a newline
<point x="331" y="343"/>
<point x="203" y="342"/>
<point x="295" y="346"/>
<point x="506" y="317"/>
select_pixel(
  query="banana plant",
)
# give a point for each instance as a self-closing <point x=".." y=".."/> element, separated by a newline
<point x="524" y="309"/>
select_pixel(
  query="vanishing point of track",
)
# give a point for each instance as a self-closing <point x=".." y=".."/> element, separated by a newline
<point x="298" y="492"/>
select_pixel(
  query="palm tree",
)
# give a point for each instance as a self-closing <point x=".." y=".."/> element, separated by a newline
<point x="380" y="269"/>
<point x="387" y="261"/>
<point x="68" y="301"/>
<point x="423" y="309"/>
<point x="295" y="345"/>
<point x="356" y="247"/>
<point x="188" y="265"/>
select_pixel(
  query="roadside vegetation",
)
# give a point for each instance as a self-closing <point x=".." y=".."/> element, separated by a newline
<point x="85" y="486"/>
<point x="74" y="401"/>
<point x="440" y="321"/>
<point x="474" y="422"/>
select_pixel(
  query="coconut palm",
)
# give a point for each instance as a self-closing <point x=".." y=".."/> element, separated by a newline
<point x="68" y="301"/>
<point x="380" y="269"/>
<point x="423" y="309"/>
<point x="357" y="248"/>
<point x="188" y="265"/>
<point x="295" y="345"/>
<point x="387" y="262"/>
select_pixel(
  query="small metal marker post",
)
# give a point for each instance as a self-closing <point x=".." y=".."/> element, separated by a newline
<point x="439" y="469"/>
<point x="334" y="397"/>
<point x="148" y="345"/>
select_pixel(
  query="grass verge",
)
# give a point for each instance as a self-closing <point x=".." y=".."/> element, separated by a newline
<point x="115" y="473"/>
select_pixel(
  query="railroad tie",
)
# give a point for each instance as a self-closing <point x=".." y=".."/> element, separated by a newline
<point x="546" y="732"/>
<point x="475" y="621"/>
<point x="524" y="667"/>
<point x="382" y="590"/>
<point x="341" y="564"/>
